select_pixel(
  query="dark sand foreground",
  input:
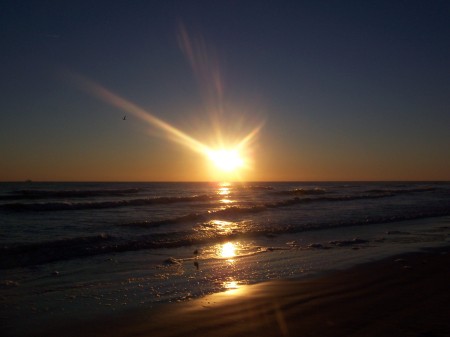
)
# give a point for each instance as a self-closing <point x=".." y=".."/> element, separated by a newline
<point x="407" y="295"/>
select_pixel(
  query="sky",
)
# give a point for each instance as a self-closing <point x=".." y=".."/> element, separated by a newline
<point x="305" y="90"/>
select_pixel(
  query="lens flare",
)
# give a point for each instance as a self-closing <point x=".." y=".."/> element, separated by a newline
<point x="226" y="160"/>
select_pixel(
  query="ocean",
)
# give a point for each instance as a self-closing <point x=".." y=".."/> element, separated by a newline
<point x="81" y="249"/>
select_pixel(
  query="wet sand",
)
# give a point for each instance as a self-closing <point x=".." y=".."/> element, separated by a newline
<point x="407" y="295"/>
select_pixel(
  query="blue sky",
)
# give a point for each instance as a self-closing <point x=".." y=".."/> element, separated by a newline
<point x="348" y="90"/>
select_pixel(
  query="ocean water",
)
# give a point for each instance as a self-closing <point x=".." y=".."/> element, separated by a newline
<point x="80" y="249"/>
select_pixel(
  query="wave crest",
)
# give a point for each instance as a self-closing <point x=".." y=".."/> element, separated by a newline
<point x="50" y="194"/>
<point x="304" y="191"/>
<point x="63" y="206"/>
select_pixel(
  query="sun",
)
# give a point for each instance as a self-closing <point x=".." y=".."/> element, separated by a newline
<point x="226" y="160"/>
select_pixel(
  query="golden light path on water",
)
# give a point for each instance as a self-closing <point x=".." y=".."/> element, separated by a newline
<point x="228" y="251"/>
<point x="225" y="159"/>
<point x="224" y="192"/>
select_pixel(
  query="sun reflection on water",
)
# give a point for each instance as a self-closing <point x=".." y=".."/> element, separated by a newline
<point x="230" y="285"/>
<point x="223" y="227"/>
<point x="228" y="250"/>
<point x="224" y="191"/>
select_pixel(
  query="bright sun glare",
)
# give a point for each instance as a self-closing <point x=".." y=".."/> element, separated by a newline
<point x="228" y="250"/>
<point x="226" y="160"/>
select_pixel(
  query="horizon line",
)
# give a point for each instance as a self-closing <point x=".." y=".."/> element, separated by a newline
<point x="223" y="181"/>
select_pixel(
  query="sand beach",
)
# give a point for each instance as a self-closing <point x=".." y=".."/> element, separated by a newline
<point x="404" y="295"/>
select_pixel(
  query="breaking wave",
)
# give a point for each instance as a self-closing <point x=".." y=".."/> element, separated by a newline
<point x="402" y="190"/>
<point x="50" y="194"/>
<point x="62" y="206"/>
<point x="303" y="191"/>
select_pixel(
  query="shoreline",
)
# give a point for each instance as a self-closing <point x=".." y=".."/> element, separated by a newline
<point x="402" y="295"/>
